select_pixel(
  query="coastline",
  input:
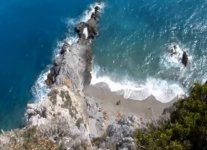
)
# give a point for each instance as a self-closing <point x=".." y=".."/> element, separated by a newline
<point x="75" y="114"/>
<point x="149" y="109"/>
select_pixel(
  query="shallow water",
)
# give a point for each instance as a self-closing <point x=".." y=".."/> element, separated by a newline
<point x="132" y="51"/>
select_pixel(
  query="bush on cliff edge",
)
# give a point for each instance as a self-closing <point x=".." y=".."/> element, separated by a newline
<point x="186" y="128"/>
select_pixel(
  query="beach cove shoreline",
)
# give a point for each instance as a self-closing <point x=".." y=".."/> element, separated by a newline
<point x="74" y="114"/>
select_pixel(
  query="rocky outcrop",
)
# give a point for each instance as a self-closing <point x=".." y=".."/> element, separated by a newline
<point x="178" y="53"/>
<point x="74" y="61"/>
<point x="66" y="118"/>
<point x="120" y="134"/>
<point x="54" y="71"/>
<point x="61" y="117"/>
<point x="88" y="30"/>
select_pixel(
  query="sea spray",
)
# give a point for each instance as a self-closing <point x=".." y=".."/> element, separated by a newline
<point x="132" y="49"/>
<point x="174" y="59"/>
<point x="40" y="88"/>
<point x="162" y="90"/>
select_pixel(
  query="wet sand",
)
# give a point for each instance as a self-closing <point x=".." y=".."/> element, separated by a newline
<point x="114" y="104"/>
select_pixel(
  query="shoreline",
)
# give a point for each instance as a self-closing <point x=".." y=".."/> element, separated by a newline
<point x="114" y="103"/>
<point x="75" y="114"/>
<point x="160" y="89"/>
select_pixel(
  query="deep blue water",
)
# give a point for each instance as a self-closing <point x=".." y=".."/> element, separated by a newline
<point x="29" y="31"/>
<point x="131" y="52"/>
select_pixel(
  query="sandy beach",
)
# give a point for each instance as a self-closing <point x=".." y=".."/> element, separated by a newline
<point x="116" y="105"/>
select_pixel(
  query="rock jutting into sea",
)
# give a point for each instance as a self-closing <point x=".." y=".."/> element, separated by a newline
<point x="67" y="118"/>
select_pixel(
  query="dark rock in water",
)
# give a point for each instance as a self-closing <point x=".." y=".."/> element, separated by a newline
<point x="91" y="26"/>
<point x="54" y="71"/>
<point x="84" y="38"/>
<point x="56" y="67"/>
<point x="49" y="80"/>
<point x="96" y="13"/>
<point x="185" y="59"/>
<point x="97" y="8"/>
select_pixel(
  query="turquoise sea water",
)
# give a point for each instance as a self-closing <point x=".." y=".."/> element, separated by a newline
<point x="130" y="54"/>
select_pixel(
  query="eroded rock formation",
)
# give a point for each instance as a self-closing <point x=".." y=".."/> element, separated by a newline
<point x="66" y="118"/>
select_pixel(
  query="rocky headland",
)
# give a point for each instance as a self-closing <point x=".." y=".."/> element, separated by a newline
<point x="75" y="115"/>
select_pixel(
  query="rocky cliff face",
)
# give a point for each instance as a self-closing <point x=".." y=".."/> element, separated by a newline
<point x="66" y="118"/>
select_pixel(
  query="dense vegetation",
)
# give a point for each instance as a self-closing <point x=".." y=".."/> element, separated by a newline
<point x="186" y="128"/>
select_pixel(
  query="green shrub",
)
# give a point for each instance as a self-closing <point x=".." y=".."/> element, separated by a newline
<point x="186" y="129"/>
<point x="29" y="139"/>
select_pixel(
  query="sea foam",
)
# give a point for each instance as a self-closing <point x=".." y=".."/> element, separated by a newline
<point x="164" y="91"/>
<point x="40" y="89"/>
<point x="169" y="60"/>
<point x="87" y="14"/>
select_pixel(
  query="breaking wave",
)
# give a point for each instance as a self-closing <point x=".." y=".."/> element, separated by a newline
<point x="40" y="89"/>
<point x="164" y="91"/>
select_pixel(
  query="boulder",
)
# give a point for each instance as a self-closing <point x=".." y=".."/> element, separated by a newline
<point x="185" y="59"/>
